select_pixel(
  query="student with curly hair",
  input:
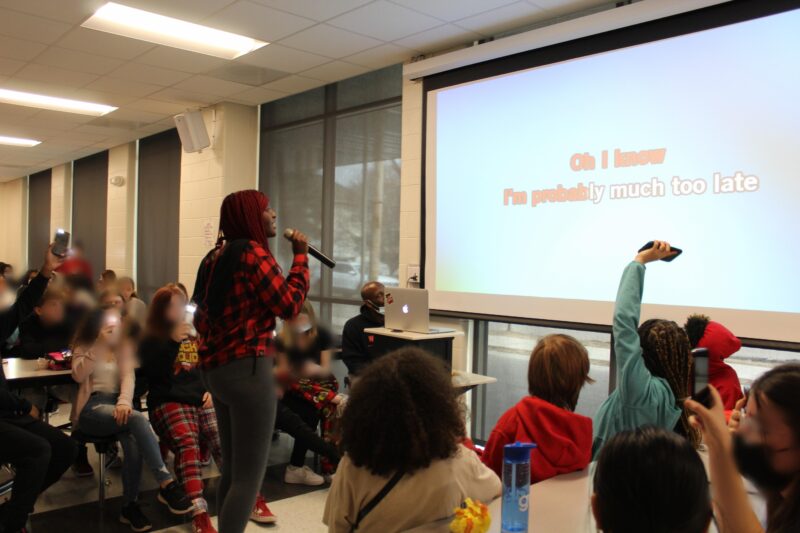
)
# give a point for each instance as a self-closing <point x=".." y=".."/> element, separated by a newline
<point x="721" y="344"/>
<point x="403" y="431"/>
<point x="557" y="371"/>
<point x="654" y="363"/>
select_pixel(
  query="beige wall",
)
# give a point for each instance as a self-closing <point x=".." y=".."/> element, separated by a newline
<point x="14" y="224"/>
<point x="228" y="165"/>
<point x="411" y="212"/>
<point x="61" y="198"/>
<point x="121" y="211"/>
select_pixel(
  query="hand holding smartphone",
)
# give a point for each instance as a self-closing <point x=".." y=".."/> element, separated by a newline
<point x="700" y="391"/>
<point x="678" y="251"/>
<point x="61" y="243"/>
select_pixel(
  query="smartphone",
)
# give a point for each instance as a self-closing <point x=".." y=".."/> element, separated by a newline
<point x="667" y="259"/>
<point x="189" y="318"/>
<point x="700" y="391"/>
<point x="61" y="243"/>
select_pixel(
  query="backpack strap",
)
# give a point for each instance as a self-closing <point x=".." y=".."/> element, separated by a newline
<point x="376" y="500"/>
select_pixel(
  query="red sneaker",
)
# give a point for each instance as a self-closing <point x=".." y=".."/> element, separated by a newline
<point x="261" y="512"/>
<point x="201" y="523"/>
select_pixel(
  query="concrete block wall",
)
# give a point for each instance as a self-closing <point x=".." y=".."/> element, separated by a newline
<point x="121" y="211"/>
<point x="14" y="224"/>
<point x="61" y="198"/>
<point x="411" y="211"/>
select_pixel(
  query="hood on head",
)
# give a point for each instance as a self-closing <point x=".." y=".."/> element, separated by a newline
<point x="720" y="342"/>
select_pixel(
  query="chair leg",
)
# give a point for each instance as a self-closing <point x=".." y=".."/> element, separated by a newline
<point x="102" y="489"/>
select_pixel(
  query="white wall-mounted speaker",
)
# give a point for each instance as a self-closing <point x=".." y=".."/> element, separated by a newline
<point x="192" y="131"/>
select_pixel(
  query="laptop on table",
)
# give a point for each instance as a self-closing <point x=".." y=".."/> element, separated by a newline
<point x="407" y="310"/>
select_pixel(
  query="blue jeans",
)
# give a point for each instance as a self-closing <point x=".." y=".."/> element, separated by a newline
<point x="137" y="439"/>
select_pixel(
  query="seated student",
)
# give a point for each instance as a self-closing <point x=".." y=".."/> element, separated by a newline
<point x="304" y="353"/>
<point x="134" y="306"/>
<point x="721" y="344"/>
<point x="39" y="453"/>
<point x="181" y="409"/>
<point x="403" y="423"/>
<point x="111" y="298"/>
<point x="356" y="344"/>
<point x="650" y="480"/>
<point x="103" y="360"/>
<point x="108" y="280"/>
<point x="558" y="369"/>
<point x="654" y="363"/>
<point x="764" y="448"/>
<point x="47" y="330"/>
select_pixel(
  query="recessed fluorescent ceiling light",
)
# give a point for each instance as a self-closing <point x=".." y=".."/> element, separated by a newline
<point x="15" y="141"/>
<point x="154" y="28"/>
<point x="41" y="101"/>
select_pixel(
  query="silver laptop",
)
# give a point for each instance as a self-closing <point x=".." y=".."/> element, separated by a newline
<point x="407" y="310"/>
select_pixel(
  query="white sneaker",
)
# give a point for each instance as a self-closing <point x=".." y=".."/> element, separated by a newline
<point x="302" y="476"/>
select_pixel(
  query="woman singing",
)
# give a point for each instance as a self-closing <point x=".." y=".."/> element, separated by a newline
<point x="239" y="291"/>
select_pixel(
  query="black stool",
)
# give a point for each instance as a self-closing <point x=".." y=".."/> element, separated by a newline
<point x="101" y="446"/>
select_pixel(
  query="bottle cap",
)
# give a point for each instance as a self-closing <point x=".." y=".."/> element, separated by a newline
<point x="519" y="452"/>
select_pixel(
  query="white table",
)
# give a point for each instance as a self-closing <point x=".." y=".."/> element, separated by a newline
<point x="23" y="373"/>
<point x="466" y="381"/>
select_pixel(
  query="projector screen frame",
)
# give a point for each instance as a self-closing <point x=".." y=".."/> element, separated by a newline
<point x="673" y="26"/>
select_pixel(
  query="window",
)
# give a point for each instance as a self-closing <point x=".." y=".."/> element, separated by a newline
<point x="89" y="205"/>
<point x="38" y="216"/>
<point x="330" y="162"/>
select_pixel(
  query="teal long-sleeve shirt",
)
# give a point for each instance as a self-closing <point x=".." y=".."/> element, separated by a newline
<point x="640" y="398"/>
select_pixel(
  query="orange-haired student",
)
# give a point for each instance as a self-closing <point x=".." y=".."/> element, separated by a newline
<point x="558" y="369"/>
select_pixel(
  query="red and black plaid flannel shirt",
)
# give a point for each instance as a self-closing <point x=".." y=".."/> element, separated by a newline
<point x="259" y="294"/>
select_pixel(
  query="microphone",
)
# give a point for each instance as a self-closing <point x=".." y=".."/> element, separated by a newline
<point x="324" y="259"/>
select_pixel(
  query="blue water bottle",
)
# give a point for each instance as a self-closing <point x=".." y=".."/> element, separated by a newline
<point x="516" y="486"/>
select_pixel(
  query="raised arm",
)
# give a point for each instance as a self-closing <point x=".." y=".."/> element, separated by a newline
<point x="633" y="377"/>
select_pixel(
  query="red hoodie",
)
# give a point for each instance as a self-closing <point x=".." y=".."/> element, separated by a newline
<point x="563" y="438"/>
<point x="721" y="344"/>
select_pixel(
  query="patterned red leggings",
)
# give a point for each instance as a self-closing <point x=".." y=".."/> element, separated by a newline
<point x="182" y="427"/>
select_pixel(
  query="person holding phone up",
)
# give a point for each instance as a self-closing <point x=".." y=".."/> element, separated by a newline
<point x="39" y="453"/>
<point x="653" y="363"/>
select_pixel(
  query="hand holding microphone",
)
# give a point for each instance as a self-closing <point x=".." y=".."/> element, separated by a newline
<point x="300" y="246"/>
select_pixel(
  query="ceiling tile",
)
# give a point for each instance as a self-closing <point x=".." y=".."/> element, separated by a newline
<point x="172" y="58"/>
<point x="79" y="61"/>
<point x="11" y="113"/>
<point x="130" y="88"/>
<point x="449" y="11"/>
<point x="134" y="71"/>
<point x="293" y="84"/>
<point x="329" y="41"/>
<point x="563" y="7"/>
<point x="335" y="71"/>
<point x="8" y="67"/>
<point x="23" y="50"/>
<point x="24" y="26"/>
<point x="386" y="21"/>
<point x="381" y="56"/>
<point x="185" y="98"/>
<point x="207" y="84"/>
<point x="193" y="10"/>
<point x="506" y="18"/>
<point x="246" y="74"/>
<point x="439" y="38"/>
<point x="258" y="21"/>
<point x="315" y="9"/>
<point x="98" y="42"/>
<point x="156" y="106"/>
<point x="283" y="58"/>
<point x="72" y="11"/>
<point x="256" y="96"/>
<point x="58" y="76"/>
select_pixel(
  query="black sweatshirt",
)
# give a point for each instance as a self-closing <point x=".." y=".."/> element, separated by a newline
<point x="171" y="371"/>
<point x="356" y="345"/>
<point x="38" y="340"/>
<point x="12" y="405"/>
